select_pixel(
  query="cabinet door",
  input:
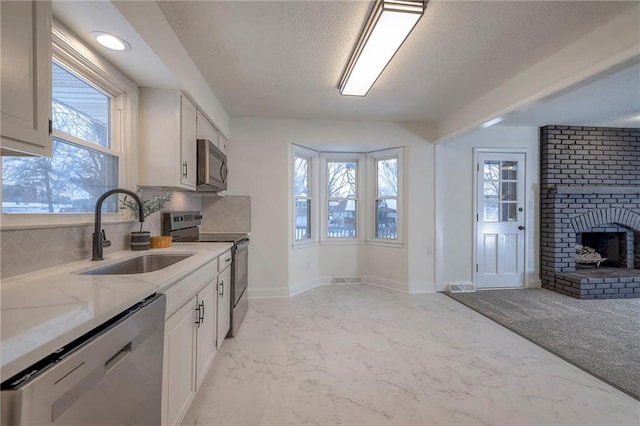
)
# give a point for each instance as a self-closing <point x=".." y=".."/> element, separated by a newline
<point x="26" y="77"/>
<point x="178" y="382"/>
<point x="205" y="130"/>
<point x="188" y="143"/>
<point x="206" y="344"/>
<point x="224" y="304"/>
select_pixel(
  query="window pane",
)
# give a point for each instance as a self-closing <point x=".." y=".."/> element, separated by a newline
<point x="70" y="181"/>
<point x="386" y="219"/>
<point x="301" y="177"/>
<point x="79" y="109"/>
<point x="387" y="177"/>
<point x="341" y="179"/>
<point x="303" y="220"/>
<point x="342" y="219"/>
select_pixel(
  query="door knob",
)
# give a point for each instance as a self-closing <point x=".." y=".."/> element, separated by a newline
<point x="521" y="228"/>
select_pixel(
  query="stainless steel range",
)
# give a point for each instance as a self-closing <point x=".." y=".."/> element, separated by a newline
<point x="183" y="226"/>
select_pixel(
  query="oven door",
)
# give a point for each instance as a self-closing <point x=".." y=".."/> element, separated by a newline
<point x="239" y="273"/>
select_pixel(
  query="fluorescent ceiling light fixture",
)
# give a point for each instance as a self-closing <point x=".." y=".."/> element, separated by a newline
<point x="492" y="122"/>
<point x="388" y="26"/>
<point x="111" y="41"/>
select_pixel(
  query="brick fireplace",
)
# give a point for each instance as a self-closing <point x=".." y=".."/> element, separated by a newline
<point x="590" y="195"/>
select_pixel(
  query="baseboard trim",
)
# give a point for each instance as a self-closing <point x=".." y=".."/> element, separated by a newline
<point x="267" y="293"/>
<point x="308" y="285"/>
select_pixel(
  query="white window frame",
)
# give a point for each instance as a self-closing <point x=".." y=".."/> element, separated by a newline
<point x="68" y="51"/>
<point x="360" y="198"/>
<point x="312" y="184"/>
<point x="372" y="157"/>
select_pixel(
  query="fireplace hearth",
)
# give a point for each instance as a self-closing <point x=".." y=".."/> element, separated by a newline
<point x="590" y="196"/>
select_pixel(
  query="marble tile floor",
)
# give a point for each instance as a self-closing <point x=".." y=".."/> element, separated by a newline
<point x="362" y="355"/>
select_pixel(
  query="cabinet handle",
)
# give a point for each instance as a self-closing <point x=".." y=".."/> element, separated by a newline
<point x="198" y="321"/>
<point x="228" y="259"/>
<point x="185" y="169"/>
<point x="222" y="285"/>
<point x="202" y="311"/>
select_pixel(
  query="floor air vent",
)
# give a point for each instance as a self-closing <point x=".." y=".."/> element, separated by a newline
<point x="461" y="288"/>
<point x="347" y="280"/>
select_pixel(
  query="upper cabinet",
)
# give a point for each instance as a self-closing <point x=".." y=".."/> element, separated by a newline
<point x="26" y="77"/>
<point x="167" y="148"/>
<point x="205" y="130"/>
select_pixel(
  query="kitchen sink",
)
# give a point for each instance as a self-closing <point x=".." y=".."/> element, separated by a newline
<point x="139" y="265"/>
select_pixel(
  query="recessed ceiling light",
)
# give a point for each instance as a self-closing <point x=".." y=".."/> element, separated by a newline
<point x="492" y="122"/>
<point x="111" y="41"/>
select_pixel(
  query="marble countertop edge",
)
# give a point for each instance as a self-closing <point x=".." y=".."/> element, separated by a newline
<point x="43" y="310"/>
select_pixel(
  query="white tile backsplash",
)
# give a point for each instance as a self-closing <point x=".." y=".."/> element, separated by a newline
<point x="28" y="250"/>
<point x="227" y="214"/>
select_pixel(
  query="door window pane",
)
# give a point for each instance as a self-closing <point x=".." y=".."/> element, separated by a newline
<point x="509" y="191"/>
<point x="508" y="212"/>
<point x="509" y="170"/>
<point x="78" y="108"/>
<point x="342" y="219"/>
<point x="70" y="181"/>
<point x="491" y="170"/>
<point x="490" y="213"/>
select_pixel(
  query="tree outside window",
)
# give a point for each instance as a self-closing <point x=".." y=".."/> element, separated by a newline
<point x="342" y="199"/>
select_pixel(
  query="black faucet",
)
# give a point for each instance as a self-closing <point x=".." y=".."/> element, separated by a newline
<point x="99" y="237"/>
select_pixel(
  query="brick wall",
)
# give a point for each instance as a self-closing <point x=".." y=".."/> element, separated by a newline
<point x="590" y="181"/>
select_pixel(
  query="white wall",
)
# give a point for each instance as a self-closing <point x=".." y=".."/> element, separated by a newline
<point x="454" y="163"/>
<point x="259" y="158"/>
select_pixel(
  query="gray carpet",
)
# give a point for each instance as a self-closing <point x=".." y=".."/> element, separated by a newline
<point x="601" y="337"/>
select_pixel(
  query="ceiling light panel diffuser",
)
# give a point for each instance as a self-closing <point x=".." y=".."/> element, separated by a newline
<point x="388" y="26"/>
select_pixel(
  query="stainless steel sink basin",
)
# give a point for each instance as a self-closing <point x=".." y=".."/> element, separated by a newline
<point x="139" y="265"/>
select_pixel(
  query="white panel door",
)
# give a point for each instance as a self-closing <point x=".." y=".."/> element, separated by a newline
<point x="500" y="220"/>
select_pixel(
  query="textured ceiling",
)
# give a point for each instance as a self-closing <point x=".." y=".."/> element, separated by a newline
<point x="283" y="59"/>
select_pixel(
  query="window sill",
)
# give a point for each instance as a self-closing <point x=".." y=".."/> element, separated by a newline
<point x="304" y="244"/>
<point x="12" y="222"/>
<point x="345" y="242"/>
<point x="382" y="243"/>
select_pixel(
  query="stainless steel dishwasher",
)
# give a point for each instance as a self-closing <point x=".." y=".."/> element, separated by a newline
<point x="111" y="375"/>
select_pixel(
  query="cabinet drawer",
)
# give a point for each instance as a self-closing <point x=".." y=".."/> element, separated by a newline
<point x="224" y="260"/>
<point x="182" y="291"/>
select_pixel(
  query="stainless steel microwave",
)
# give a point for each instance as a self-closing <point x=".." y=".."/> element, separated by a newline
<point x="212" y="167"/>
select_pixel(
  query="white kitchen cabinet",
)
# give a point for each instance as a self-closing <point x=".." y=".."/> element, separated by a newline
<point x="223" y="144"/>
<point x="167" y="148"/>
<point x="224" y="300"/>
<point x="179" y="363"/>
<point x="190" y="339"/>
<point x="26" y="77"/>
<point x="205" y="130"/>
<point x="206" y="330"/>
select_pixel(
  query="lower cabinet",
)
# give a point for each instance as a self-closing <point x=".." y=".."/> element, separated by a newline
<point x="199" y="316"/>
<point x="179" y="387"/>
<point x="224" y="303"/>
<point x="206" y="331"/>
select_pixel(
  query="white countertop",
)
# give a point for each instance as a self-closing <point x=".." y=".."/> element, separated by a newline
<point x="44" y="310"/>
